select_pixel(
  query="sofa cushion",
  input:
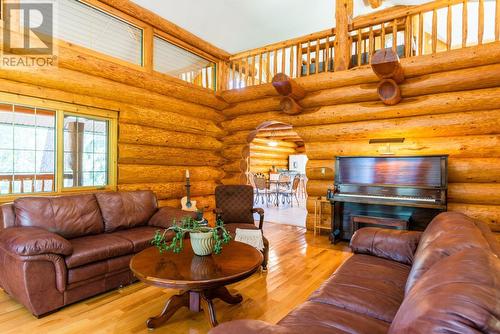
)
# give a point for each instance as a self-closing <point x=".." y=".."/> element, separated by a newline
<point x="33" y="241"/>
<point x="96" y="269"/>
<point x="317" y="318"/>
<point x="126" y="209"/>
<point x="96" y="248"/>
<point x="141" y="236"/>
<point x="68" y="216"/>
<point x="459" y="295"/>
<point x="447" y="234"/>
<point x="164" y="217"/>
<point x="366" y="284"/>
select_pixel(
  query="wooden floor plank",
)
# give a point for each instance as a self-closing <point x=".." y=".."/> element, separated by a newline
<point x="299" y="263"/>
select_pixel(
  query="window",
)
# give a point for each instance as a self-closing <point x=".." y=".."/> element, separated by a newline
<point x="50" y="150"/>
<point x="27" y="149"/>
<point x="87" y="26"/>
<point x="175" y="61"/>
<point x="85" y="152"/>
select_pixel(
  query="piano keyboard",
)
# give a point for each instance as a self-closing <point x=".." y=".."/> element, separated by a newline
<point x="402" y="198"/>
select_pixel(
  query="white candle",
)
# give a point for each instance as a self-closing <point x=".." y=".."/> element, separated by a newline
<point x="187" y="173"/>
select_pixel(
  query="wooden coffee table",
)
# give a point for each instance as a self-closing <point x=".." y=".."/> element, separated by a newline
<point x="201" y="278"/>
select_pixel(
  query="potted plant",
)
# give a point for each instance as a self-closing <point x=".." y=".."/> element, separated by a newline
<point x="205" y="240"/>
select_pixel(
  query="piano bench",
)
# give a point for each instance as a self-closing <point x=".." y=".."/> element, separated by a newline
<point x="370" y="221"/>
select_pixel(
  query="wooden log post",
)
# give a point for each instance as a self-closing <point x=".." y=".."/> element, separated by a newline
<point x="342" y="45"/>
<point x="385" y="64"/>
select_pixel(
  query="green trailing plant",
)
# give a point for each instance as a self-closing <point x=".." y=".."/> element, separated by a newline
<point x="190" y="225"/>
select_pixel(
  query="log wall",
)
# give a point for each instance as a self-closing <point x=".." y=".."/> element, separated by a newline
<point x="162" y="131"/>
<point x="263" y="157"/>
<point x="450" y="106"/>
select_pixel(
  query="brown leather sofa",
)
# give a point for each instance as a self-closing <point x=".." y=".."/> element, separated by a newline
<point x="55" y="251"/>
<point x="443" y="280"/>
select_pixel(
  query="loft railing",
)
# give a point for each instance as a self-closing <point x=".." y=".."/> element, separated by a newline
<point x="437" y="26"/>
<point x="258" y="66"/>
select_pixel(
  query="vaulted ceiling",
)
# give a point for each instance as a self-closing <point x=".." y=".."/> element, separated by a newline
<point x="238" y="25"/>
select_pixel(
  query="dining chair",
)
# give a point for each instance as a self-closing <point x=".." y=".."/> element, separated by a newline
<point x="292" y="192"/>
<point x="261" y="189"/>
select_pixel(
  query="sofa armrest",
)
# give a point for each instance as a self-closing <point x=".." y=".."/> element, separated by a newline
<point x="396" y="245"/>
<point x="165" y="216"/>
<point x="260" y="211"/>
<point x="29" y="241"/>
<point x="250" y="327"/>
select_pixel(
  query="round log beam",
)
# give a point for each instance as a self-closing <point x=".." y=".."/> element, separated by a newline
<point x="385" y="63"/>
<point x="388" y="91"/>
<point x="289" y="106"/>
<point x="286" y="86"/>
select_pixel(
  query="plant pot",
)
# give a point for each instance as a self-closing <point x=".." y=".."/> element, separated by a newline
<point x="202" y="243"/>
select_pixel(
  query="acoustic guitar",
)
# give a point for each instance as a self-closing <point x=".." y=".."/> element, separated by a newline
<point x="186" y="202"/>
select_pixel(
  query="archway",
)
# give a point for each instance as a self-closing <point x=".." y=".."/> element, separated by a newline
<point x="277" y="153"/>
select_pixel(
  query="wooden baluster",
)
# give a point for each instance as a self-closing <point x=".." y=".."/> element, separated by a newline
<point x="206" y="77"/>
<point x="253" y="71"/>
<point x="283" y="60"/>
<point x="480" y="27"/>
<point x="299" y="60"/>
<point x="420" y="34"/>
<point x="434" y="31"/>
<point x="365" y="48"/>
<point x="497" y="21"/>
<point x="394" y="36"/>
<point x="260" y="68"/>
<point x="371" y="45"/>
<point x="240" y="76"/>
<point x="316" y="65"/>
<point x="233" y="69"/>
<point x="464" y="23"/>
<point x="249" y="71"/>
<point x="327" y="53"/>
<point x="275" y="62"/>
<point x="268" y="66"/>
<point x="382" y="36"/>
<point x="291" y="61"/>
<point x="408" y="37"/>
<point x="358" y="46"/>
<point x="448" y="29"/>
<point x="308" y="57"/>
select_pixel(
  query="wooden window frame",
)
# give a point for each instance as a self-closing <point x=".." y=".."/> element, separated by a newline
<point x="146" y="50"/>
<point x="178" y="43"/>
<point x="61" y="109"/>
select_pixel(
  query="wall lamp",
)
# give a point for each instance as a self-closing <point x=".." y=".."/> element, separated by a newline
<point x="386" y="150"/>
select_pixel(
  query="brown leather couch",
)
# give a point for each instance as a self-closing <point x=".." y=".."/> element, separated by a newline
<point x="55" y="251"/>
<point x="443" y="280"/>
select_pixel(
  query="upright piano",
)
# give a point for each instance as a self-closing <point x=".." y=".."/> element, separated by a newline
<point x="407" y="189"/>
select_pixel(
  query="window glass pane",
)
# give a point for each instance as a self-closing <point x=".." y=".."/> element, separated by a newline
<point x="86" y="144"/>
<point x="89" y="27"/>
<point x="27" y="156"/>
<point x="175" y="61"/>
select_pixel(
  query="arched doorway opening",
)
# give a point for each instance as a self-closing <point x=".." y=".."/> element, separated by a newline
<point x="275" y="161"/>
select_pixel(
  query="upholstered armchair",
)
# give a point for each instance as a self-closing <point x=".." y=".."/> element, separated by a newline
<point x="234" y="205"/>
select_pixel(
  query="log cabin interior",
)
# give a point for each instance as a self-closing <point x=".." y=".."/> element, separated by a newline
<point x="206" y="167"/>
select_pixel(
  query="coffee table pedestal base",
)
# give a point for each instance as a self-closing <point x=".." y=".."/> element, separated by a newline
<point x="196" y="301"/>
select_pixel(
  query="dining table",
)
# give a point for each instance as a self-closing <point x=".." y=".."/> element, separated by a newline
<point x="275" y="186"/>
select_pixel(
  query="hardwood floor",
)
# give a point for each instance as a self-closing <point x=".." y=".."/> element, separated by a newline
<point x="298" y="264"/>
